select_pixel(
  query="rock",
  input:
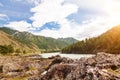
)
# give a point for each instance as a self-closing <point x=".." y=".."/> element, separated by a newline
<point x="93" y="68"/>
<point x="32" y="72"/>
<point x="36" y="57"/>
<point x="53" y="57"/>
<point x="1" y="68"/>
<point x="12" y="67"/>
<point x="14" y="74"/>
<point x="59" y="72"/>
<point x="20" y="66"/>
<point x="102" y="66"/>
<point x="91" y="61"/>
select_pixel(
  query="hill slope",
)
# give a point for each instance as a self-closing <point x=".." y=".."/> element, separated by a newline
<point x="43" y="43"/>
<point x="6" y="39"/>
<point x="107" y="42"/>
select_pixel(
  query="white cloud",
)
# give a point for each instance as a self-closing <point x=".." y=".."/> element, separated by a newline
<point x="104" y="6"/>
<point x="57" y="10"/>
<point x="102" y="23"/>
<point x="3" y="17"/>
<point x="88" y="4"/>
<point x="98" y="5"/>
<point x="96" y="27"/>
<point x="66" y="30"/>
<point x="110" y="17"/>
<point x="51" y="10"/>
<point x="19" y="25"/>
<point x="34" y="2"/>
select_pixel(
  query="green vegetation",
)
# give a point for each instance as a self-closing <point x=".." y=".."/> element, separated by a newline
<point x="40" y="41"/>
<point x="6" y="49"/>
<point x="25" y="42"/>
<point x="107" y="42"/>
<point x="69" y="40"/>
<point x="6" y="39"/>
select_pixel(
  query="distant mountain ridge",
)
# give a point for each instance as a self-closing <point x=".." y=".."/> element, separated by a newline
<point x="69" y="40"/>
<point x="107" y="42"/>
<point x="40" y="43"/>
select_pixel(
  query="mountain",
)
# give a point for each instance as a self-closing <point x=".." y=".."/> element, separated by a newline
<point x="40" y="42"/>
<point x="6" y="39"/>
<point x="69" y="40"/>
<point x="107" y="42"/>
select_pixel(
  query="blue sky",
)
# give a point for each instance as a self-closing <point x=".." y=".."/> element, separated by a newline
<point x="15" y="10"/>
<point x="60" y="18"/>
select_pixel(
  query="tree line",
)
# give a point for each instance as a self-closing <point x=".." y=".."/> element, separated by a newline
<point x="108" y="42"/>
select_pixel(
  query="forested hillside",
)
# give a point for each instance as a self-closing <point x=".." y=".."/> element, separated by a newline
<point x="32" y="42"/>
<point x="107" y="42"/>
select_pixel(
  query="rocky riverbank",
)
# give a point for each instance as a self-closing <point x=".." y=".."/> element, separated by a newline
<point x="102" y="66"/>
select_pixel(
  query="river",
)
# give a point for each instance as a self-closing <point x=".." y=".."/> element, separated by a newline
<point x="72" y="56"/>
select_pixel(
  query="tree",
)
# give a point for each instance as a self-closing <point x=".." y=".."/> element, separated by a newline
<point x="24" y="51"/>
<point x="10" y="48"/>
<point x="5" y="49"/>
<point x="17" y="51"/>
